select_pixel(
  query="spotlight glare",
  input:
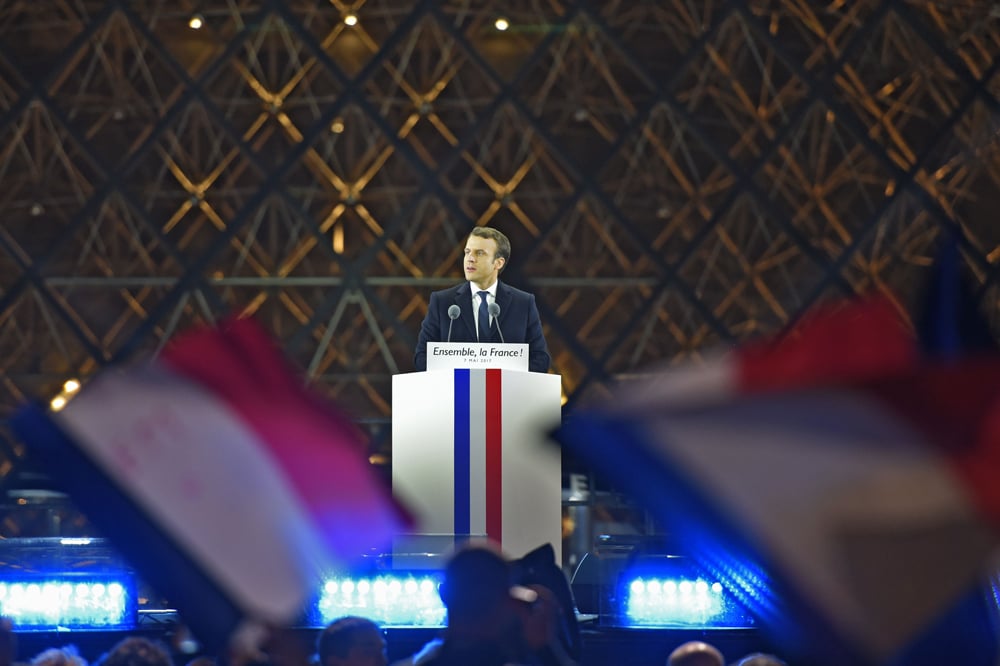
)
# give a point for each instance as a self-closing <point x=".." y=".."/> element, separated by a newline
<point x="679" y="601"/>
<point x="350" y="20"/>
<point x="71" y="386"/>
<point x="196" y="22"/>
<point x="501" y="24"/>
<point x="391" y="599"/>
<point x="54" y="602"/>
<point x="57" y="403"/>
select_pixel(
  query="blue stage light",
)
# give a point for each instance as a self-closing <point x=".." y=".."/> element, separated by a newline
<point x="391" y="599"/>
<point x="56" y="602"/>
<point x="656" y="601"/>
<point x="669" y="591"/>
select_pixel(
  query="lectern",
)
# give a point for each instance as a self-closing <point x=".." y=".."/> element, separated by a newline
<point x="471" y="456"/>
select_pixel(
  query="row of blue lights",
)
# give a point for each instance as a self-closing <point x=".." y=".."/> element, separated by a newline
<point x="402" y="600"/>
<point x="68" y="603"/>
<point x="657" y="601"/>
<point x="409" y="600"/>
<point x="393" y="600"/>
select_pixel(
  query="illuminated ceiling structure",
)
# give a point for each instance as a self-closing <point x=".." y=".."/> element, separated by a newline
<point x="673" y="175"/>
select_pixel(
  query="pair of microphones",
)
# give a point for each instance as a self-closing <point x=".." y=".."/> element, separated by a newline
<point x="454" y="312"/>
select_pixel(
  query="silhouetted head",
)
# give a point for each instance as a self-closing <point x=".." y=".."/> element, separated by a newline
<point x="136" y="651"/>
<point x="476" y="583"/>
<point x="351" y="641"/>
<point x="696" y="653"/>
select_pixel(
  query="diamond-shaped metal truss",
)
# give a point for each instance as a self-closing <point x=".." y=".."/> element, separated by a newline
<point x="674" y="175"/>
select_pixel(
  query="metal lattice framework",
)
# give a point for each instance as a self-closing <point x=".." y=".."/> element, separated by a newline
<point x="673" y="174"/>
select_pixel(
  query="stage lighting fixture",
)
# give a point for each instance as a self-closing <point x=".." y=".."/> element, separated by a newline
<point x="671" y="591"/>
<point x="664" y="601"/>
<point x="196" y="22"/>
<point x="65" y="601"/>
<point x="350" y="20"/>
<point x="501" y="24"/>
<point x="396" y="599"/>
<point x="66" y="583"/>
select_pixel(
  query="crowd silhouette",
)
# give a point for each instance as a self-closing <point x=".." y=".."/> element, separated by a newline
<point x="499" y="613"/>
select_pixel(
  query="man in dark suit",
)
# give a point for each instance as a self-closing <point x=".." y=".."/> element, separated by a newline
<point x="486" y="253"/>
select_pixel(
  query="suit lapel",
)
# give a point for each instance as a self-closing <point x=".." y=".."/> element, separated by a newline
<point x="463" y="299"/>
<point x="503" y="300"/>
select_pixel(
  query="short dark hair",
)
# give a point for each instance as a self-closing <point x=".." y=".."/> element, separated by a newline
<point x="136" y="651"/>
<point x="476" y="580"/>
<point x="503" y="243"/>
<point x="340" y="636"/>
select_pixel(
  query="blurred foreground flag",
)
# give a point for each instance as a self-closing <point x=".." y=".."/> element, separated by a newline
<point x="229" y="486"/>
<point x="862" y="476"/>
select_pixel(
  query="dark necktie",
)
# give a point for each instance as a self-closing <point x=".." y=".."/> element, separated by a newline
<point x="484" y="317"/>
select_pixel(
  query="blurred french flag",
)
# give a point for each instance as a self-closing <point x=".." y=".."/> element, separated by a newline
<point x="843" y="481"/>
<point x="230" y="487"/>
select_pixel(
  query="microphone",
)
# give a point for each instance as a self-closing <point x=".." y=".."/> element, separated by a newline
<point x="495" y="313"/>
<point x="453" y="312"/>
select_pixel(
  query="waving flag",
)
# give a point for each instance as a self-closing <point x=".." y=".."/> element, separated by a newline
<point x="230" y="487"/>
<point x="859" y="473"/>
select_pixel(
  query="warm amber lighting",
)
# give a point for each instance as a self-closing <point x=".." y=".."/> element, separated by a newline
<point x="71" y="386"/>
<point x="501" y="24"/>
<point x="337" y="126"/>
<point x="57" y="403"/>
<point x="196" y="22"/>
<point x="350" y="20"/>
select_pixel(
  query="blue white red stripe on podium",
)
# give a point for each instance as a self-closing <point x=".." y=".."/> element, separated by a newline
<point x="471" y="458"/>
<point x="478" y="453"/>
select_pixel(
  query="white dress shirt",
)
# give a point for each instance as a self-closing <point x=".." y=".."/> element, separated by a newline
<point x="492" y="298"/>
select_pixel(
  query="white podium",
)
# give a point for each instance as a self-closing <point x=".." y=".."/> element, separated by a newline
<point x="470" y="455"/>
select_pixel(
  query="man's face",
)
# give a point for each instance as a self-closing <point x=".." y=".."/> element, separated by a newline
<point x="368" y="650"/>
<point x="481" y="262"/>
